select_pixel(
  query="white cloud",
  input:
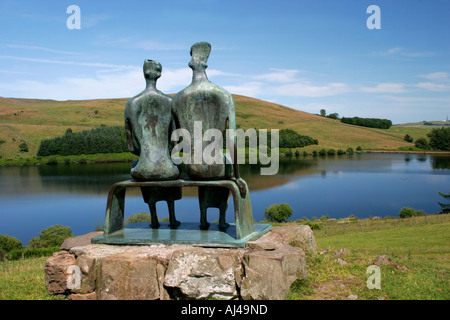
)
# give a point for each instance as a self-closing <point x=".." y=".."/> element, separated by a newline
<point x="433" y="86"/>
<point x="387" y="87"/>
<point x="250" y="89"/>
<point x="436" y="76"/>
<point x="305" y="89"/>
<point x="279" y="75"/>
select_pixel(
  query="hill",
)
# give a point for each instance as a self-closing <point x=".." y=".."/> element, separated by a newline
<point x="31" y="120"/>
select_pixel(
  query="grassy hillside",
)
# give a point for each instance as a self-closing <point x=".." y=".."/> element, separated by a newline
<point x="31" y="120"/>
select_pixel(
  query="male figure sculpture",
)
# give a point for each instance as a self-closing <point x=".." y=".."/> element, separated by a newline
<point x="148" y="125"/>
<point x="205" y="102"/>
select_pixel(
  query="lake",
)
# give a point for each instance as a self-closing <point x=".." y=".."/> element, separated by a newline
<point x="35" y="197"/>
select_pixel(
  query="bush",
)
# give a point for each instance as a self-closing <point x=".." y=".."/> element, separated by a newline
<point x="350" y="150"/>
<point x="422" y="143"/>
<point x="23" y="147"/>
<point x="138" y="217"/>
<point x="408" y="138"/>
<point x="53" y="236"/>
<point x="440" y="139"/>
<point x="7" y="244"/>
<point x="313" y="226"/>
<point x="331" y="152"/>
<point x="278" y="212"/>
<point x="292" y="139"/>
<point x="410" y="212"/>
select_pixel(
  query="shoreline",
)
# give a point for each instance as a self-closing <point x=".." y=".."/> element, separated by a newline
<point x="128" y="157"/>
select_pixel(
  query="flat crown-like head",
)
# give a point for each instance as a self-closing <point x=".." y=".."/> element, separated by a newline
<point x="200" y="54"/>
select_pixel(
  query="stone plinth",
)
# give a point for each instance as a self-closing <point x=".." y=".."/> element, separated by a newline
<point x="264" y="269"/>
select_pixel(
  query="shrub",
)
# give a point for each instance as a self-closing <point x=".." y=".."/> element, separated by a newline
<point x="422" y="143"/>
<point x="53" y="236"/>
<point x="440" y="139"/>
<point x="289" y="153"/>
<point x="138" y="217"/>
<point x="23" y="147"/>
<point x="322" y="152"/>
<point x="407" y="212"/>
<point x="292" y="139"/>
<point x="331" y="152"/>
<point x="7" y="244"/>
<point x="278" y="212"/>
<point x="408" y="138"/>
<point x="313" y="226"/>
<point x="350" y="150"/>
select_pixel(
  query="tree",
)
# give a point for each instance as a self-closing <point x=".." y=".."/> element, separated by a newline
<point x="53" y="236"/>
<point x="323" y="112"/>
<point x="410" y="212"/>
<point x="8" y="243"/>
<point x="445" y="208"/>
<point x="440" y="138"/>
<point x="408" y="138"/>
<point x="422" y="143"/>
<point x="278" y="212"/>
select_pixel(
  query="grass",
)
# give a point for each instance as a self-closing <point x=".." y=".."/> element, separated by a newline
<point x="418" y="267"/>
<point x="23" y="280"/>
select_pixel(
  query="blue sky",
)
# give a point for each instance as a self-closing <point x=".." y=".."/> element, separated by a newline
<point x="308" y="55"/>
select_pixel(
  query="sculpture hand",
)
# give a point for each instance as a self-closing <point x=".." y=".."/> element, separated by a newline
<point x="242" y="188"/>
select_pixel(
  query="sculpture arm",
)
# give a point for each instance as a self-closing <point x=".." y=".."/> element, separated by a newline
<point x="233" y="149"/>
<point x="130" y="141"/>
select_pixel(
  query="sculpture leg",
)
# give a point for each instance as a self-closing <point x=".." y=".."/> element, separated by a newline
<point x="222" y="222"/>
<point x="203" y="200"/>
<point x="155" y="222"/>
<point x="173" y="221"/>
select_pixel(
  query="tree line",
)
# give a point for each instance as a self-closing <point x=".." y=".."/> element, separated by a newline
<point x="100" y="140"/>
<point x="368" y="122"/>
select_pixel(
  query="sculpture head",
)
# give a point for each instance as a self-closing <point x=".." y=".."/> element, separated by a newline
<point x="152" y="69"/>
<point x="200" y="54"/>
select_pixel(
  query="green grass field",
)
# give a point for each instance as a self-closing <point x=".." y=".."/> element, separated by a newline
<point x="418" y="265"/>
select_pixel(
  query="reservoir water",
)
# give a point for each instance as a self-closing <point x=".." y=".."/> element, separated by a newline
<point x="33" y="198"/>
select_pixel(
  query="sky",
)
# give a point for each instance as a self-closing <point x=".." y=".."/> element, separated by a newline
<point x="307" y="55"/>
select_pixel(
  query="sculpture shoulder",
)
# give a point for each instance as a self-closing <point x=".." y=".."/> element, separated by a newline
<point x="206" y="88"/>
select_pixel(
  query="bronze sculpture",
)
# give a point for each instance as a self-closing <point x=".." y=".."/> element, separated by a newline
<point x="151" y="119"/>
<point x="212" y="106"/>
<point x="148" y="126"/>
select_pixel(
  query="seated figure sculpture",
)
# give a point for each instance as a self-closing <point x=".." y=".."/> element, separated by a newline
<point x="148" y="126"/>
<point x="207" y="103"/>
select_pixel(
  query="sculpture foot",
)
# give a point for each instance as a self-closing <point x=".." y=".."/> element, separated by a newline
<point x="204" y="225"/>
<point x="174" y="224"/>
<point x="154" y="225"/>
<point x="223" y="225"/>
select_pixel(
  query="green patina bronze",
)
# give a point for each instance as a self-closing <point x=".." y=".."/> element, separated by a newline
<point x="150" y="119"/>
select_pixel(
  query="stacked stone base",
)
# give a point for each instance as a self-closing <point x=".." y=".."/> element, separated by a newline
<point x="263" y="270"/>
